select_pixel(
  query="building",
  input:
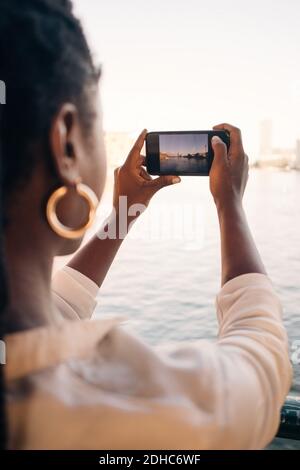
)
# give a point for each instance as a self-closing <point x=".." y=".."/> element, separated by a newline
<point x="275" y="157"/>
<point x="265" y="151"/>
<point x="297" y="161"/>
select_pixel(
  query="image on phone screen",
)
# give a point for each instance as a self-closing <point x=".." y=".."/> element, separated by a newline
<point x="183" y="153"/>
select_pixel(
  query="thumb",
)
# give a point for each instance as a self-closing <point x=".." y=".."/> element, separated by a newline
<point x="220" y="150"/>
<point x="220" y="153"/>
<point x="163" y="181"/>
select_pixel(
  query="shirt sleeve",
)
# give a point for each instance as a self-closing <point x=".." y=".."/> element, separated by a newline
<point x="74" y="294"/>
<point x="207" y="395"/>
<point x="225" y="394"/>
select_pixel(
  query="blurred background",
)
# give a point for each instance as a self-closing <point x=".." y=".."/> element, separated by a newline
<point x="185" y="65"/>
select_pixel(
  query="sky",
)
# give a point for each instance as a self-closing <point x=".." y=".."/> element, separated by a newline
<point x="186" y="65"/>
<point x="183" y="144"/>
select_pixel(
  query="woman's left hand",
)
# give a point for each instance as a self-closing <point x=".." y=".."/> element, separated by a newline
<point x="133" y="181"/>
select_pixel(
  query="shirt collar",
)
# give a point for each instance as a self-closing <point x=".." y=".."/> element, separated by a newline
<point x="33" y="350"/>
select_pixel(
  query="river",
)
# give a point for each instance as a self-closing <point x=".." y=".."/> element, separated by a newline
<point x="167" y="273"/>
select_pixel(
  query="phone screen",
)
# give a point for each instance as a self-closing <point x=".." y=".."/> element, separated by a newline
<point x="183" y="153"/>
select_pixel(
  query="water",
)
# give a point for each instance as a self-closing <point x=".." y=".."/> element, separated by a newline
<point x="174" y="165"/>
<point x="167" y="287"/>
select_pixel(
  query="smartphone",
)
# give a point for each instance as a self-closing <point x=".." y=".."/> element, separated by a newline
<point x="186" y="153"/>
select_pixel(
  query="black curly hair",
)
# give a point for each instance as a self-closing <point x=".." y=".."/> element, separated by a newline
<point x="45" y="61"/>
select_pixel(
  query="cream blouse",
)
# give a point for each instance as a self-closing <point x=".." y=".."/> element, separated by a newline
<point x="93" y="384"/>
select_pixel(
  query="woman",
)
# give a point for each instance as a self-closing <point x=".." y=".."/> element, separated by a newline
<point x="92" y="384"/>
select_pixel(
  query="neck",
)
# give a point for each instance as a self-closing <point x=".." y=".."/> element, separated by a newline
<point x="29" y="269"/>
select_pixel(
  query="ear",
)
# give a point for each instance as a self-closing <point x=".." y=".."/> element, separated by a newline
<point x="65" y="142"/>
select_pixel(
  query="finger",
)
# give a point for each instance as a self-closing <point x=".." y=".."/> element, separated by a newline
<point x="142" y="161"/>
<point x="134" y="154"/>
<point x="163" y="181"/>
<point x="235" y="133"/>
<point x="116" y="171"/>
<point x="220" y="150"/>
<point x="225" y="126"/>
<point x="145" y="175"/>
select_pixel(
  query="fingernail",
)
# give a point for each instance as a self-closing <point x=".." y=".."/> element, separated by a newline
<point x="216" y="140"/>
<point x="176" y="180"/>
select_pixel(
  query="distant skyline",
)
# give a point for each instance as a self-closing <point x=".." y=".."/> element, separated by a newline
<point x="182" y="65"/>
<point x="183" y="144"/>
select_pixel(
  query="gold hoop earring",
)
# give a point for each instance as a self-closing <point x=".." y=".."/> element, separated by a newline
<point x="56" y="225"/>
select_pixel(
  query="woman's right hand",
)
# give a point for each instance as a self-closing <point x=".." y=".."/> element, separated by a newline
<point x="229" y="171"/>
<point x="228" y="179"/>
